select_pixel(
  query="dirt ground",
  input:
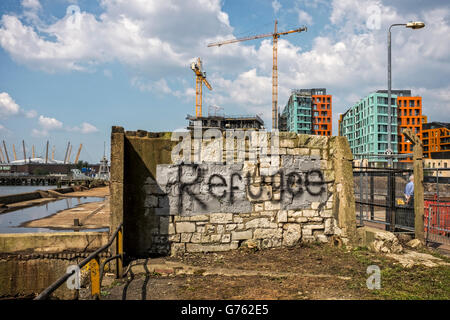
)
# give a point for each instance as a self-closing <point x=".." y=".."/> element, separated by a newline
<point x="309" y="271"/>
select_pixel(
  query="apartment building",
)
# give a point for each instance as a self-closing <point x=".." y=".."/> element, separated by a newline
<point x="308" y="111"/>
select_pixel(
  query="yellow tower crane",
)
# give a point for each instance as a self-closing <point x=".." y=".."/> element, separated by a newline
<point x="275" y="35"/>
<point x="200" y="78"/>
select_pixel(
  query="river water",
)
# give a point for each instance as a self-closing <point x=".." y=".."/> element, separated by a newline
<point x="11" y="222"/>
<point x="6" y="190"/>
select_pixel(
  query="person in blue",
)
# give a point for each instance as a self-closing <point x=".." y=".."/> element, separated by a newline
<point x="409" y="192"/>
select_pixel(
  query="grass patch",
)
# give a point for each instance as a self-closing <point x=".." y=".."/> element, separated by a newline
<point x="417" y="283"/>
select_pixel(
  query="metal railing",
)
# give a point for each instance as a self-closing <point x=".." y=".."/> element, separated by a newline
<point x="96" y="269"/>
<point x="382" y="202"/>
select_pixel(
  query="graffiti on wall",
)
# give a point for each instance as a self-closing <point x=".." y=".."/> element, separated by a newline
<point x="189" y="189"/>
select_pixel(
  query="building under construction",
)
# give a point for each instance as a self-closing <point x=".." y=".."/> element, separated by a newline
<point x="244" y="122"/>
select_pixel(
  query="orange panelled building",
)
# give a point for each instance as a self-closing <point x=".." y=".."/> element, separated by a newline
<point x="409" y="116"/>
<point x="436" y="140"/>
<point x="321" y="114"/>
<point x="308" y="111"/>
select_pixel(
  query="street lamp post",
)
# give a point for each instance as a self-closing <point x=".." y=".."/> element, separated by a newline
<point x="412" y="25"/>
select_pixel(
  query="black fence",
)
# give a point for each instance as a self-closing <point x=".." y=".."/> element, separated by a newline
<point x="381" y="202"/>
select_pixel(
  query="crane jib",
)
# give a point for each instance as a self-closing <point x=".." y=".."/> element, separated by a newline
<point x="256" y="37"/>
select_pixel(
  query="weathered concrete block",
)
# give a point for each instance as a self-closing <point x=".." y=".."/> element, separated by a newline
<point x="151" y="201"/>
<point x="310" y="213"/>
<point x="308" y="238"/>
<point x="230" y="227"/>
<point x="174" y="237"/>
<point x="241" y="235"/>
<point x="287" y="143"/>
<point x="315" y="205"/>
<point x="200" y="217"/>
<point x="327" y="213"/>
<point x="321" y="238"/>
<point x="258" y="207"/>
<point x="282" y="216"/>
<point x="267" y="233"/>
<point x="315" y="153"/>
<point x="237" y="219"/>
<point x="177" y="249"/>
<point x="328" y="226"/>
<point x="194" y="247"/>
<point x="260" y="223"/>
<point x="294" y="214"/>
<point x="196" y="237"/>
<point x="220" y="228"/>
<point x="269" y="205"/>
<point x="164" y="225"/>
<point x="315" y="219"/>
<point x="226" y="238"/>
<point x="186" y="237"/>
<point x="291" y="234"/>
<point x="181" y="227"/>
<point x="221" y="217"/>
<point x="216" y="237"/>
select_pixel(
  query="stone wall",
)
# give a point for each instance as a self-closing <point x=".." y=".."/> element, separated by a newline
<point x="301" y="192"/>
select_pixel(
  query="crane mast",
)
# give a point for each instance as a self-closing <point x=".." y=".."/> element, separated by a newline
<point x="275" y="35"/>
<point x="200" y="78"/>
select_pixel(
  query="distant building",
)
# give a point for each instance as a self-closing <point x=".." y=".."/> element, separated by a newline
<point x="244" y="122"/>
<point x="282" y="122"/>
<point x="409" y="116"/>
<point x="436" y="140"/>
<point x="308" y="111"/>
<point x="365" y="125"/>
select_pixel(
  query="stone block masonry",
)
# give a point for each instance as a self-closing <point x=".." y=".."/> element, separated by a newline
<point x="217" y="205"/>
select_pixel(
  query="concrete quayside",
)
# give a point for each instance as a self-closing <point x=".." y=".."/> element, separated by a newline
<point x="47" y="232"/>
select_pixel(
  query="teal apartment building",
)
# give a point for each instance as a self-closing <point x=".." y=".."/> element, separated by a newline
<point x="365" y="125"/>
<point x="308" y="111"/>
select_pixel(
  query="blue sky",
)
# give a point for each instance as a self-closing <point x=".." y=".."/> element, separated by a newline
<point x="69" y="75"/>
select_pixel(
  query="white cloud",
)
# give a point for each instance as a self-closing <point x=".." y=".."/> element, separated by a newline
<point x="138" y="34"/>
<point x="31" y="4"/>
<point x="349" y="60"/>
<point x="46" y="125"/>
<point x="3" y="129"/>
<point x="8" y="106"/>
<point x="85" y="128"/>
<point x="30" y="114"/>
<point x="304" y="18"/>
<point x="161" y="87"/>
<point x="108" y="73"/>
<point x="276" y="5"/>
